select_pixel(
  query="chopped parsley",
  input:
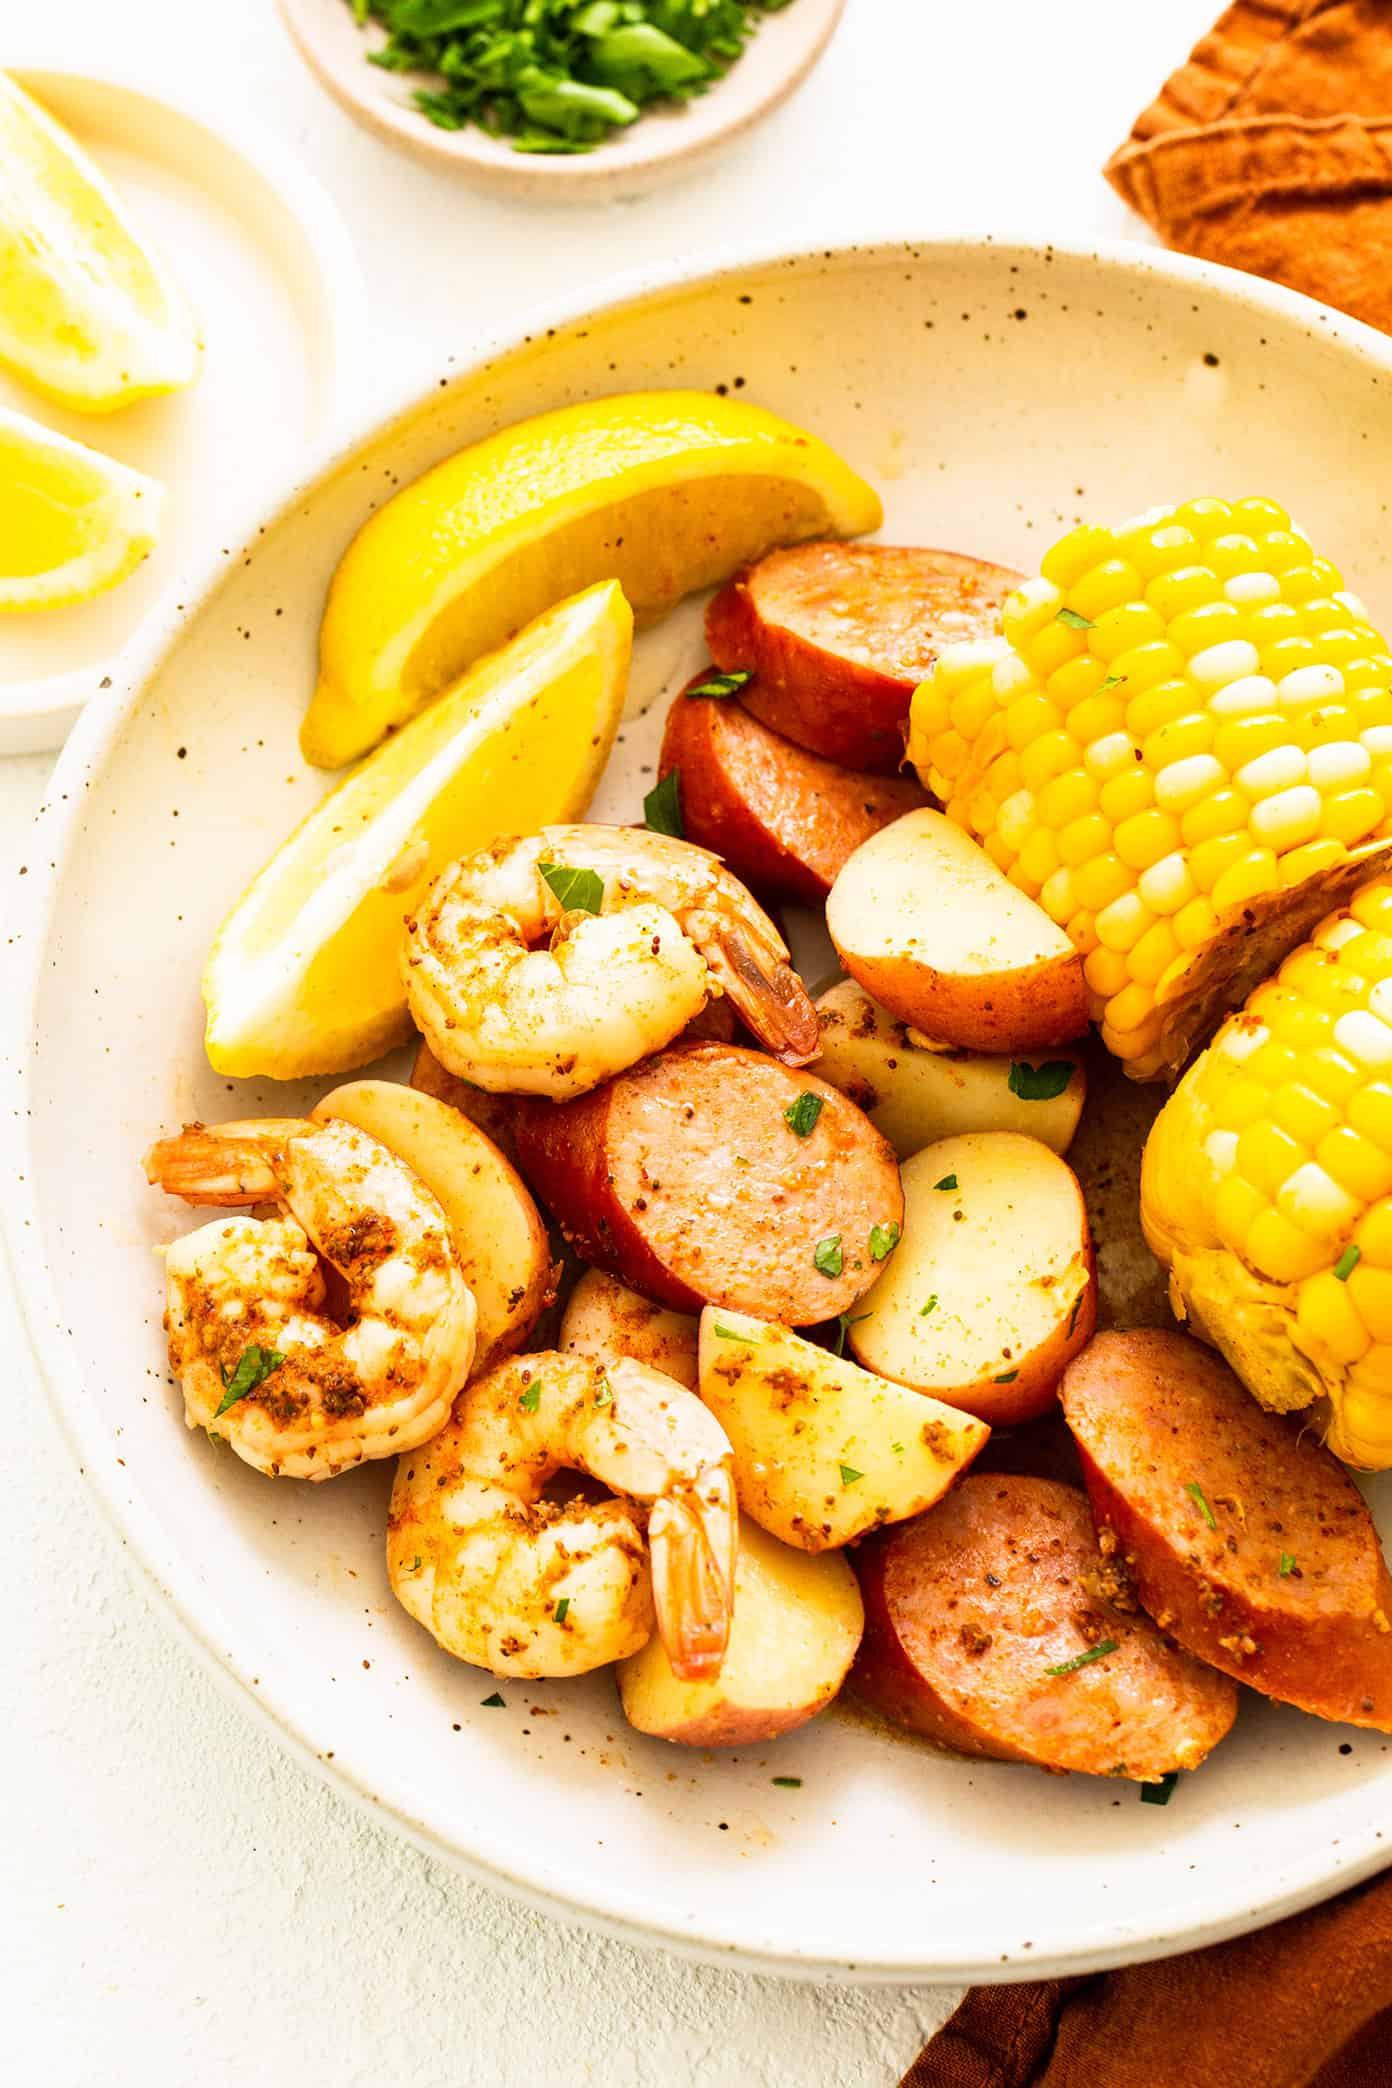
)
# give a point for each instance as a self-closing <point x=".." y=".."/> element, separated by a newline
<point x="494" y="1703"/>
<point x="1196" y="1494"/>
<point x="531" y="1398"/>
<point x="844" y="1322"/>
<point x="1113" y="681"/>
<point x="254" y="1366"/>
<point x="1287" y="1566"/>
<point x="931" y="1306"/>
<point x="787" y="1783"/>
<point x="849" y="1474"/>
<point x="662" y="813"/>
<point x="883" y="1240"/>
<point x="725" y="1333"/>
<point x="947" y="1182"/>
<point x="1348" y="1261"/>
<point x="417" y="1563"/>
<point x="1077" y="1308"/>
<point x="605" y="1395"/>
<point x="801" y="1116"/>
<point x="1074" y="621"/>
<point x="1039" y="1083"/>
<point x="721" y="684"/>
<point x="897" y="1448"/>
<point x="559" y="1613"/>
<point x="1005" y="1377"/>
<point x="827" y="1256"/>
<point x="1160" y="1793"/>
<point x="1082" y="1660"/>
<point x="579" y="891"/>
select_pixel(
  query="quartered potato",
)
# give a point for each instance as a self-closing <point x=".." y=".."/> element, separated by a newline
<point x="823" y="1450"/>
<point x="504" y="1252"/>
<point x="922" y="917"/>
<point x="796" y="1625"/>
<point x="991" y="1290"/>
<point x="915" y="1090"/>
<point x="604" y="1319"/>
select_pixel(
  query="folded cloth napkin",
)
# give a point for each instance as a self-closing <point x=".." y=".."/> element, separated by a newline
<point x="1271" y="150"/>
<point x="1306" y="2004"/>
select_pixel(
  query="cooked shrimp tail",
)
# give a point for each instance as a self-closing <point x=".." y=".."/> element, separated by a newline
<point x="692" y="1535"/>
<point x="231" y="1165"/>
<point x="767" y="994"/>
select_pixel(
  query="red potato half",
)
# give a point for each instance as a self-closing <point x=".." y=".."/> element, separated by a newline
<point x="839" y="636"/>
<point x="796" y="1625"/>
<point x="991" y="1290"/>
<point x="1243" y="1538"/>
<point x="985" y="1631"/>
<point x="823" y="1450"/>
<point x="783" y="820"/>
<point x="922" y="917"/>
<point x="604" y="1319"/>
<point x="503" y="1249"/>
<point x="684" y="1178"/>
<point x="915" y="1090"/>
<point x="495" y="1115"/>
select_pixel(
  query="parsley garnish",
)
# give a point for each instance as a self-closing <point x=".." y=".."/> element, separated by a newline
<point x="844" y="1322"/>
<point x="721" y="684"/>
<point x="1113" y="681"/>
<point x="787" y="1783"/>
<point x="883" y="1240"/>
<point x="1039" y="1083"/>
<point x="1348" y="1261"/>
<point x="494" y="1703"/>
<point x="1077" y="1308"/>
<point x="733" y="1334"/>
<point x="897" y="1448"/>
<point x="947" y="1182"/>
<point x="254" y="1366"/>
<point x="579" y="891"/>
<point x="531" y="1398"/>
<point x="1162" y="1792"/>
<point x="417" y="1563"/>
<point x="1196" y="1493"/>
<point x="1081" y="1660"/>
<point x="931" y="1306"/>
<point x="801" y="1116"/>
<point x="605" y="1395"/>
<point x="559" y="1613"/>
<point x="828" y="1257"/>
<point x="662" y="813"/>
<point x="849" y="1474"/>
<point x="1287" y="1564"/>
<point x="1074" y="621"/>
<point x="1005" y="1377"/>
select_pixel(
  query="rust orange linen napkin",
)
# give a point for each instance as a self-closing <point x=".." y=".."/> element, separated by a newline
<point x="1306" y="2004"/>
<point x="1271" y="150"/>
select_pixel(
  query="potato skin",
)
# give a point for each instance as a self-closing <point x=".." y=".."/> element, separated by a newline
<point x="1009" y="1011"/>
<point x="682" y="1177"/>
<point x="969" y="1606"/>
<point x="1154" y="1413"/>
<point x="783" y="819"/>
<point x="840" y="635"/>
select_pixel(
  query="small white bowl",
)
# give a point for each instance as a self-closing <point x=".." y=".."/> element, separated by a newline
<point x="276" y="294"/>
<point x="665" y="143"/>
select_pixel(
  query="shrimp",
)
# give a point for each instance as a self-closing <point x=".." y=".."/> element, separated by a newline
<point x="522" y="1585"/>
<point x="642" y="931"/>
<point x="261" y="1360"/>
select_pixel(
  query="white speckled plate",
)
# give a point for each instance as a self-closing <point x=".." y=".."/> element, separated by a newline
<point x="266" y="265"/>
<point x="995" y="393"/>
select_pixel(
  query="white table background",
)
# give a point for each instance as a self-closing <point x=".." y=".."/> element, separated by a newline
<point x="180" y="1903"/>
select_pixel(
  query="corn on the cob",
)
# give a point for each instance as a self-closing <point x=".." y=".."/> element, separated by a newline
<point x="1267" y="1183"/>
<point x="1181" y="746"/>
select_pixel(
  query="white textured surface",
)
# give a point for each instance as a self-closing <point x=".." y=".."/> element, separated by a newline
<point x="179" y="1902"/>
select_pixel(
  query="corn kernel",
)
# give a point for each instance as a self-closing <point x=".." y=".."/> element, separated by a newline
<point x="1102" y="879"/>
<point x="1373" y="1235"/>
<point x="1166" y="885"/>
<point x="1226" y="812"/>
<point x="1251" y="590"/>
<point x="1039" y="857"/>
<point x="1152" y="955"/>
<point x="1076" y="554"/>
<point x="1113" y="754"/>
<point x="1275" y="1063"/>
<point x="1266" y="1155"/>
<point x="1028" y="717"/>
<point x="1366" y="1040"/>
<point x="1258" y="515"/>
<point x="1075" y="680"/>
<point x="1147" y="710"/>
<point x="1220" y="1148"/>
<point x="1277" y="769"/>
<point x="1011" y="678"/>
<point x="1351" y="815"/>
<point x="1286" y="655"/>
<point x="1327" y="1321"/>
<point x="1210" y="859"/>
<point x="1194" y="923"/>
<point x="1122" y="629"/>
<point x="1247" y="878"/>
<point x="1232" y="554"/>
<point x="1106" y="972"/>
<point x="1121" y="925"/>
<point x="1251" y="695"/>
<point x="1057" y="896"/>
<point x="1370" y="1294"/>
<point x="1245" y="739"/>
<point x="1126" y="795"/>
<point x="1287" y="818"/>
<point x="1285" y="550"/>
<point x="1355" y="1163"/>
<point x="1048" y="756"/>
<point x="1330" y="1073"/>
<point x="1054" y="647"/>
<point x="1231" y="659"/>
<point x="972" y="709"/>
<point x="1236" y="1208"/>
<point x="1157" y="547"/>
<point x="1029" y="608"/>
<point x="1082" y="839"/>
<point x="1370" y="1111"/>
<point x="1372" y="907"/>
<point x="1304" y="1114"/>
<point x="1143" y="839"/>
<point x="1142" y="668"/>
<point x="1317" y="684"/>
<point x="1064" y="797"/>
<point x="1103" y="587"/>
<point x="1183" y="588"/>
<point x="1278" y="1249"/>
<point x="1186" y="783"/>
<point x="1311" y="859"/>
<point x="1128" y="1009"/>
<point x="1314" y="1201"/>
<point x="1199" y="631"/>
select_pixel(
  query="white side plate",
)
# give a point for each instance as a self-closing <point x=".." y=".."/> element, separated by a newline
<point x="267" y="267"/>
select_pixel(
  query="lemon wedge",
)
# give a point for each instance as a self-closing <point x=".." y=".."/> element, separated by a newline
<point x="304" y="974"/>
<point x="87" y="314"/>
<point x="72" y="522"/>
<point x="662" y="491"/>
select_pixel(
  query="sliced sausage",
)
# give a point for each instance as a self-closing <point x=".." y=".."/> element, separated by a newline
<point x="783" y="819"/>
<point x="1242" y="1537"/>
<point x="968" y="1609"/>
<point x="838" y="637"/>
<point x="684" y="1177"/>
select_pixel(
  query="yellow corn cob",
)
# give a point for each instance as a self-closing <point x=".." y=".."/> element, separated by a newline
<point x="1267" y="1183"/>
<point x="1180" y="746"/>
